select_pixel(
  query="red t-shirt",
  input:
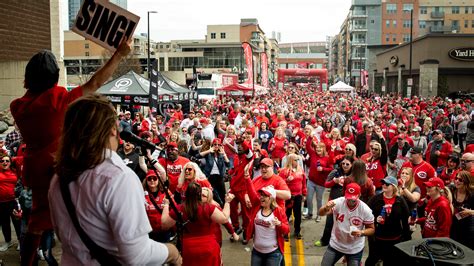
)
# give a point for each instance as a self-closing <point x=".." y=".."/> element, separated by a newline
<point x="173" y="170"/>
<point x="276" y="181"/>
<point x="203" y="225"/>
<point x="421" y="172"/>
<point x="40" y="118"/>
<point x="7" y="185"/>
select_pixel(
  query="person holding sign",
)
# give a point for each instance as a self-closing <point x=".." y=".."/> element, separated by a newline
<point x="39" y="115"/>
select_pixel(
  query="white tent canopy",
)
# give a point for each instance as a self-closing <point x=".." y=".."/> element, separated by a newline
<point x="341" y="87"/>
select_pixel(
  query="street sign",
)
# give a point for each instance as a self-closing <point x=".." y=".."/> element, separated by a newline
<point x="410" y="82"/>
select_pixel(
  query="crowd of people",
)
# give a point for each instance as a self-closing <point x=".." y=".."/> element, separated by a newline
<point x="250" y="165"/>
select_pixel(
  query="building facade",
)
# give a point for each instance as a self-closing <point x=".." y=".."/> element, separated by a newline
<point x="27" y="28"/>
<point x="439" y="16"/>
<point x="220" y="51"/>
<point x="441" y="63"/>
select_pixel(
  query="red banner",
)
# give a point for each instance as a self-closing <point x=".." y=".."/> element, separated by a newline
<point x="248" y="61"/>
<point x="264" y="64"/>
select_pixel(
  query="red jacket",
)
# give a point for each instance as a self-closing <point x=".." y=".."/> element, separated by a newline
<point x="279" y="213"/>
<point x="448" y="177"/>
<point x="8" y="180"/>
<point x="237" y="183"/>
<point x="438" y="218"/>
<point x="297" y="185"/>
<point x="445" y="150"/>
<point x="318" y="177"/>
<point x="422" y="172"/>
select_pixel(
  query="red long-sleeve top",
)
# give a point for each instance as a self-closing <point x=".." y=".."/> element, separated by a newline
<point x="318" y="177"/>
<point x="297" y="184"/>
<point x="438" y="218"/>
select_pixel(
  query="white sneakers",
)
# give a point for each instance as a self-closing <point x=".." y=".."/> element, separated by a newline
<point x="6" y="246"/>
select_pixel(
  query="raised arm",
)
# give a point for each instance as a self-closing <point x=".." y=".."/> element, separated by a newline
<point x="106" y="71"/>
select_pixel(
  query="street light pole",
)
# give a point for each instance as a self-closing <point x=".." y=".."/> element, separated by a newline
<point x="148" y="68"/>
<point x="360" y="69"/>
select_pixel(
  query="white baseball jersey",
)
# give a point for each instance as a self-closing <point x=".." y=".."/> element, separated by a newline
<point x="344" y="218"/>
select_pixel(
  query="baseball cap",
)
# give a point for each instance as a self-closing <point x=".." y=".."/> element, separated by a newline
<point x="435" y="182"/>
<point x="216" y="141"/>
<point x="352" y="191"/>
<point x="437" y="131"/>
<point x="199" y="126"/>
<point x="390" y="180"/>
<point x="416" y="150"/>
<point x="268" y="191"/>
<point x="150" y="173"/>
<point x="172" y="145"/>
<point x="416" y="129"/>
<point x="127" y="112"/>
<point x="203" y="120"/>
<point x="267" y="162"/>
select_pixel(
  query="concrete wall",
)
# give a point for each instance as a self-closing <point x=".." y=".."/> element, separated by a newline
<point x="429" y="80"/>
<point x="232" y="33"/>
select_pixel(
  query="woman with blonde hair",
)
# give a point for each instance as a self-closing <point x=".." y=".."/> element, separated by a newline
<point x="207" y="197"/>
<point x="377" y="163"/>
<point x="408" y="188"/>
<point x="462" y="228"/>
<point x="229" y="144"/>
<point x="334" y="144"/>
<point x="319" y="167"/>
<point x="438" y="211"/>
<point x="277" y="145"/>
<point x="191" y="173"/>
<point x="294" y="176"/>
<point x="292" y="148"/>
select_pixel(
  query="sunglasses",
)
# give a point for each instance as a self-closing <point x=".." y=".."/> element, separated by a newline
<point x="435" y="133"/>
<point x="467" y="161"/>
<point x="345" y="164"/>
<point x="152" y="178"/>
<point x="459" y="179"/>
<point x="291" y="147"/>
<point x="188" y="169"/>
<point x="5" y="161"/>
<point x="375" y="149"/>
<point x="400" y="139"/>
<point x="217" y="145"/>
<point x="348" y="150"/>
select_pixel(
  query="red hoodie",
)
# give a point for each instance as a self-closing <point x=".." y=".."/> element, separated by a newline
<point x="438" y="218"/>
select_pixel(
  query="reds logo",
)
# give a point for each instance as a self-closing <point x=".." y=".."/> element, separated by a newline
<point x="351" y="190"/>
<point x="174" y="169"/>
<point x="422" y="175"/>
<point x="371" y="166"/>
<point x="355" y="221"/>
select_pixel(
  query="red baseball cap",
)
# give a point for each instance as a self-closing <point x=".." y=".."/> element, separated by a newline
<point x="172" y="145"/>
<point x="435" y="182"/>
<point x="216" y="141"/>
<point x="352" y="191"/>
<point x="267" y="162"/>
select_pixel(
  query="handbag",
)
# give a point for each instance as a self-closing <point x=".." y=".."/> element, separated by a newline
<point x="98" y="253"/>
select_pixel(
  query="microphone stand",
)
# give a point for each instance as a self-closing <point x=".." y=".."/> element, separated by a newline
<point x="180" y="223"/>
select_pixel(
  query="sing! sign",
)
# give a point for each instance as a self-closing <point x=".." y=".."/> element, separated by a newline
<point x="104" y="23"/>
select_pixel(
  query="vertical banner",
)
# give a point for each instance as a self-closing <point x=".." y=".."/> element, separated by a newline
<point x="248" y="61"/>
<point x="264" y="63"/>
<point x="154" y="86"/>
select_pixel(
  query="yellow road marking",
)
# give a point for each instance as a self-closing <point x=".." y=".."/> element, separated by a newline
<point x="300" y="251"/>
<point x="287" y="254"/>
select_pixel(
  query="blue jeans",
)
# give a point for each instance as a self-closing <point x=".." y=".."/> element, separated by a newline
<point x="273" y="258"/>
<point x="47" y="247"/>
<point x="331" y="256"/>
<point x="319" y="190"/>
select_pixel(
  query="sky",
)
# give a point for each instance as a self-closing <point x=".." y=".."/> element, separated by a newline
<point x="297" y="20"/>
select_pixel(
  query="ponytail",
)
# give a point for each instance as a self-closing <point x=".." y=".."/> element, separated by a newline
<point x="447" y="193"/>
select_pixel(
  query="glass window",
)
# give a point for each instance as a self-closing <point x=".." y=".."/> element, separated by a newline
<point x="394" y="23"/>
<point x="222" y="35"/>
<point x="406" y="23"/>
<point x="213" y="35"/>
<point x="422" y="24"/>
<point x="387" y="23"/>
<point x="455" y="10"/>
<point x="406" y="37"/>
<point x="391" y="8"/>
<point x="387" y="37"/>
<point x="86" y="46"/>
<point x="466" y="10"/>
<point x="472" y="23"/>
<point x="87" y="53"/>
<point x="423" y="10"/>
<point x="407" y="8"/>
<point x="466" y="23"/>
<point x="394" y="37"/>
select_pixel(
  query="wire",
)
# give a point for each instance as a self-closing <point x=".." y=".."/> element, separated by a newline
<point x="439" y="249"/>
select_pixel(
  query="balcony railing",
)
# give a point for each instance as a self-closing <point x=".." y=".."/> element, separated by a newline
<point x="442" y="29"/>
<point x="359" y="13"/>
<point x="437" y="14"/>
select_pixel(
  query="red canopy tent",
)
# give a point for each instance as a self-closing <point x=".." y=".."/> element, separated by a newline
<point x="234" y="89"/>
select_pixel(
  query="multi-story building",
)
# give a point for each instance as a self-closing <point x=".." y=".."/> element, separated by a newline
<point x="396" y="21"/>
<point x="303" y="55"/>
<point x="75" y="5"/>
<point x="27" y="28"/>
<point x="440" y="16"/>
<point x="219" y="51"/>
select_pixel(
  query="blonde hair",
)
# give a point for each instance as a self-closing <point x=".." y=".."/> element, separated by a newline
<point x="337" y="132"/>
<point x="379" y="146"/>
<point x="289" y="162"/>
<point x="323" y="146"/>
<point x="210" y="195"/>
<point x="410" y="184"/>
<point x="198" y="174"/>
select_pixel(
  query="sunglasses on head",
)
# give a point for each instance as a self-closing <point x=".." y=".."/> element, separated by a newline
<point x="152" y="178"/>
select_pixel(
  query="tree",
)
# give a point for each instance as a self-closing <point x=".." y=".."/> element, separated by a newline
<point x="131" y="62"/>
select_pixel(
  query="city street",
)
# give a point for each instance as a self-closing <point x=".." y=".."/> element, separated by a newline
<point x="297" y="252"/>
